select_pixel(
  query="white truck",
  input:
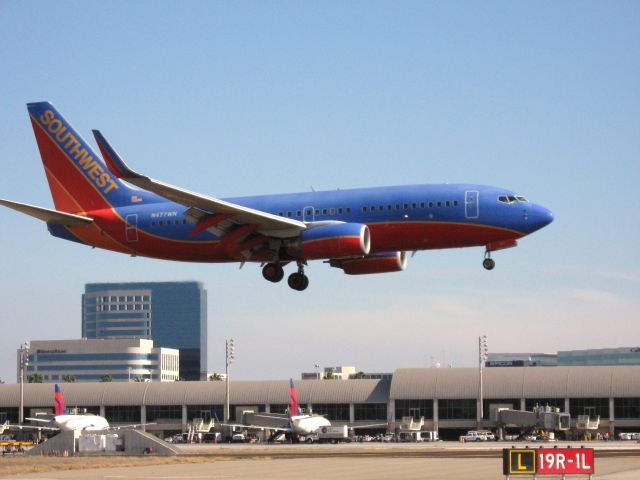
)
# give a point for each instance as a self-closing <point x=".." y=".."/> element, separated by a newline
<point x="332" y="434"/>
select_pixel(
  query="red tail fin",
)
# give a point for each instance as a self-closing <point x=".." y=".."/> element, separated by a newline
<point x="78" y="179"/>
<point x="58" y="401"/>
<point x="294" y="406"/>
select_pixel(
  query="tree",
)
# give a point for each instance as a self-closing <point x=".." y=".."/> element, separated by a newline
<point x="69" y="378"/>
<point x="138" y="379"/>
<point x="106" y="378"/>
<point x="36" y="378"/>
<point x="215" y="377"/>
<point x="329" y="376"/>
<point x="360" y="375"/>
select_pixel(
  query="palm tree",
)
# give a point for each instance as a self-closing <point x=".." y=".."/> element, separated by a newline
<point x="36" y="378"/>
<point x="215" y="377"/>
<point x="106" y="378"/>
<point x="69" y="378"/>
<point x="360" y="375"/>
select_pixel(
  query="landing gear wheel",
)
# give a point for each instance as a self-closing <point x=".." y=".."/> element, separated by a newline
<point x="273" y="272"/>
<point x="488" y="263"/>
<point x="298" y="281"/>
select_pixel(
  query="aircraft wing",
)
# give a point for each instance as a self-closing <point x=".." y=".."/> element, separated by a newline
<point x="371" y="425"/>
<point x="48" y="215"/>
<point x="133" y="425"/>
<point x="7" y="426"/>
<point x="266" y="223"/>
<point x="262" y="427"/>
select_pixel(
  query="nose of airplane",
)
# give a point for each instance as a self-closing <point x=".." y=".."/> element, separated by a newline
<point x="539" y="217"/>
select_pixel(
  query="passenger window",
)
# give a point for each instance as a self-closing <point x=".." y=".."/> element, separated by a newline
<point x="439" y="204"/>
<point x="317" y="212"/>
<point x="373" y="208"/>
<point x="447" y="203"/>
<point x="455" y="203"/>
<point x="289" y="214"/>
<point x="397" y="206"/>
<point x="324" y="211"/>
<point x="309" y="211"/>
<point x="332" y="211"/>
<point x="340" y="211"/>
<point x="153" y="224"/>
<point x="381" y="208"/>
<point x="406" y="206"/>
<point x="161" y="223"/>
<point x="430" y="204"/>
<point x="389" y="207"/>
<point x="413" y="205"/>
<point x="299" y="213"/>
<point x="364" y="209"/>
<point x="348" y="209"/>
<point x="421" y="204"/>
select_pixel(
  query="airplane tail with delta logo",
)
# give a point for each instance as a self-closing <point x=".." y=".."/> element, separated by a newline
<point x="58" y="401"/>
<point x="294" y="406"/>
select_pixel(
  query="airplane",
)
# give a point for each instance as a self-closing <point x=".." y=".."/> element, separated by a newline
<point x="298" y="423"/>
<point x="70" y="422"/>
<point x="108" y="205"/>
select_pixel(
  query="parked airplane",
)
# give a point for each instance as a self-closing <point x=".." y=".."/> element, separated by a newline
<point x="294" y="422"/>
<point x="361" y="231"/>
<point x="74" y="422"/>
<point x="297" y="422"/>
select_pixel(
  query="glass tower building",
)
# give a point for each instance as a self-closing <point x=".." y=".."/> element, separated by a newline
<point x="172" y="314"/>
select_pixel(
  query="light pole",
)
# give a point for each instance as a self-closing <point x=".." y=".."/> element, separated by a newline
<point x="229" y="357"/>
<point x="24" y="362"/>
<point x="483" y="350"/>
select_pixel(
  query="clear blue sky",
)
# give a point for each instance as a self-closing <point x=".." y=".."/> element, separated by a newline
<point x="234" y="98"/>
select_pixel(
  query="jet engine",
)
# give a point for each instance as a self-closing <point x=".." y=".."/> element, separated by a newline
<point x="337" y="240"/>
<point x="378" y="263"/>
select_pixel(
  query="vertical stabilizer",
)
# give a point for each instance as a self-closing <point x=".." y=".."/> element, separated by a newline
<point x="58" y="401"/>
<point x="79" y="180"/>
<point x="294" y="406"/>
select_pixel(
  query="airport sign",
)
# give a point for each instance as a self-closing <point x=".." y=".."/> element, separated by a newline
<point x="548" y="461"/>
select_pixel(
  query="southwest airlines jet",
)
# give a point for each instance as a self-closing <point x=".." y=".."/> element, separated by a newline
<point x="108" y="205"/>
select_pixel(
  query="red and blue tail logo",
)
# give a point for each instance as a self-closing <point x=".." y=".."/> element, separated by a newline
<point x="58" y="402"/>
<point x="294" y="407"/>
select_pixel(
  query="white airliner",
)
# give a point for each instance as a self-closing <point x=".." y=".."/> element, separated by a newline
<point x="68" y="422"/>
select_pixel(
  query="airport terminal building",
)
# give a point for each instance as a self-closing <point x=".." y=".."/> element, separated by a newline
<point x="446" y="397"/>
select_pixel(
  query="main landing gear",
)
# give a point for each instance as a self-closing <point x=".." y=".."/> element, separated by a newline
<point x="273" y="272"/>
<point x="297" y="280"/>
<point x="488" y="262"/>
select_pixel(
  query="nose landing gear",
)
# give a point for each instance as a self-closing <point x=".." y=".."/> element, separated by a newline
<point x="488" y="262"/>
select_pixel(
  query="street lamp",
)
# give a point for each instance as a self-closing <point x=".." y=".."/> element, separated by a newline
<point x="229" y="358"/>
<point x="483" y="351"/>
<point x="24" y="363"/>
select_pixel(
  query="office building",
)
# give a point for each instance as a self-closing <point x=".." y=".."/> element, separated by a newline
<point x="172" y="314"/>
<point x="93" y="360"/>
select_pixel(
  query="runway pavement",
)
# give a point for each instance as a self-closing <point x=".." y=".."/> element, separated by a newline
<point x="444" y="460"/>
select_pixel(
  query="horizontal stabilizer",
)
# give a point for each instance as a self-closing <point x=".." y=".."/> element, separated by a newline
<point x="48" y="215"/>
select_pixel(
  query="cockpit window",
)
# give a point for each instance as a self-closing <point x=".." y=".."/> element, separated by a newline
<point x="511" y="198"/>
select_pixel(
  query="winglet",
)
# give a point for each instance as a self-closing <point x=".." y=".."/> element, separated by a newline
<point x="114" y="161"/>
<point x="58" y="401"/>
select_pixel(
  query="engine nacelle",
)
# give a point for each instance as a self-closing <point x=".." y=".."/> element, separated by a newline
<point x="378" y="263"/>
<point x="337" y="240"/>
